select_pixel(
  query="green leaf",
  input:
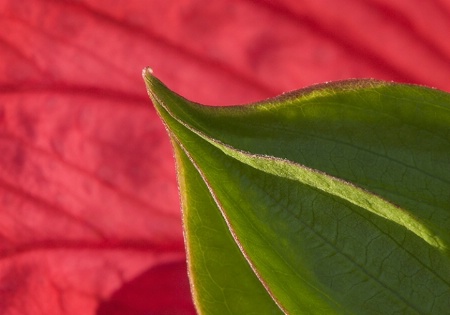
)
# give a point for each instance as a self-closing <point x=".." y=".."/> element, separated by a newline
<point x="329" y="200"/>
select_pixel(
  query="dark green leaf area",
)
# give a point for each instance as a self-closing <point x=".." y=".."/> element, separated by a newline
<point x="317" y="253"/>
<point x="337" y="197"/>
<point x="222" y="280"/>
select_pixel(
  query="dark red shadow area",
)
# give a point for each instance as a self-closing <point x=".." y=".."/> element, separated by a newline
<point x="162" y="290"/>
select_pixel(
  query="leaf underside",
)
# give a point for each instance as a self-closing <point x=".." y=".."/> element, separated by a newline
<point x="329" y="200"/>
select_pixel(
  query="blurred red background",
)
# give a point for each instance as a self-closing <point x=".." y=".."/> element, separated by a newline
<point x="89" y="211"/>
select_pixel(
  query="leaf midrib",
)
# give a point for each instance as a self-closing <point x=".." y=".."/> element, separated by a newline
<point x="242" y="155"/>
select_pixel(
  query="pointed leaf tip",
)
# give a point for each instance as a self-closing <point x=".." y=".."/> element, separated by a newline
<point x="156" y="90"/>
<point x="147" y="75"/>
<point x="147" y="70"/>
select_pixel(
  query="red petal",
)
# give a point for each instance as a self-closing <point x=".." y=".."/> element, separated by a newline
<point x="88" y="198"/>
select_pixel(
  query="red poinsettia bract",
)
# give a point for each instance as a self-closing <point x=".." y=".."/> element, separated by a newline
<point x="89" y="211"/>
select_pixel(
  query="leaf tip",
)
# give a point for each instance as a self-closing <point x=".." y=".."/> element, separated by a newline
<point x="147" y="75"/>
<point x="159" y="93"/>
<point x="151" y="82"/>
<point x="147" y="70"/>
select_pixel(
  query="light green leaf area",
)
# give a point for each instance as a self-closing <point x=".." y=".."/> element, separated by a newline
<point x="329" y="200"/>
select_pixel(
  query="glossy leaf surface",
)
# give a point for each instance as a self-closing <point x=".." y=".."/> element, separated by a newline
<point x="329" y="200"/>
